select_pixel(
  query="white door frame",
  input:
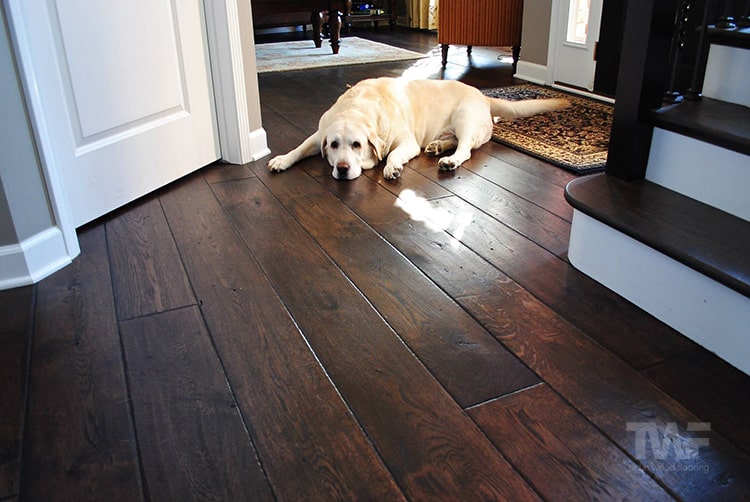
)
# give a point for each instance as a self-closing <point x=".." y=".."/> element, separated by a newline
<point x="236" y="94"/>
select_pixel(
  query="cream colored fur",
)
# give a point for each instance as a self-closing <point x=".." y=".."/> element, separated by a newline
<point x="394" y="119"/>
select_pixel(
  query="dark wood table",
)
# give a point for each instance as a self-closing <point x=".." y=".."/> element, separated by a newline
<point x="334" y="10"/>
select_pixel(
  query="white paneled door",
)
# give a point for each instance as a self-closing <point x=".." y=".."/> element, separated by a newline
<point x="122" y="95"/>
<point x="578" y="32"/>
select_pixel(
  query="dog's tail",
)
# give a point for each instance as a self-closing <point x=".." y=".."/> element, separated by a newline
<point x="506" y="109"/>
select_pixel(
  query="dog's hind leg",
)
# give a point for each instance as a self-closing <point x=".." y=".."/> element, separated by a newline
<point x="472" y="131"/>
<point x="307" y="148"/>
<point x="445" y="141"/>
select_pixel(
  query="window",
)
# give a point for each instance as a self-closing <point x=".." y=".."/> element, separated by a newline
<point x="578" y="21"/>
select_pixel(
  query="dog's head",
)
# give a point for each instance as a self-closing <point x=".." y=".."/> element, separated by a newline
<point x="351" y="144"/>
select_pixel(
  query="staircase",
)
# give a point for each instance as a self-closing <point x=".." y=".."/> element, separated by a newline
<point x="676" y="241"/>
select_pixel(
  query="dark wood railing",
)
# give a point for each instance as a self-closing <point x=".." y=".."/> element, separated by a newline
<point x="663" y="60"/>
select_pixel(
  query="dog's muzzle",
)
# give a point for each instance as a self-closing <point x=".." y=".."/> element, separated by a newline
<point x="342" y="170"/>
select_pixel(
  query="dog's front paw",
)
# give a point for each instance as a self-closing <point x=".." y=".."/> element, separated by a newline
<point x="392" y="171"/>
<point x="448" y="164"/>
<point x="279" y="163"/>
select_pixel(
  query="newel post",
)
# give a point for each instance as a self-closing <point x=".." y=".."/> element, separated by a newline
<point x="641" y="84"/>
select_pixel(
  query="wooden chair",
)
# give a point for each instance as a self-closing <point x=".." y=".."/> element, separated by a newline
<point x="493" y="23"/>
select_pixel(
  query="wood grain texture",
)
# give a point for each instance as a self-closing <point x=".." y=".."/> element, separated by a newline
<point x="395" y="399"/>
<point x="538" y="191"/>
<point x="609" y="394"/>
<point x="711" y="388"/>
<point x="530" y="220"/>
<point x="146" y="269"/>
<point x="641" y="340"/>
<point x="311" y="446"/>
<point x="468" y="361"/>
<point x="186" y="417"/>
<point x="556" y="350"/>
<point x="349" y="322"/>
<point x="16" y="320"/>
<point x="563" y="456"/>
<point x="531" y="165"/>
<point x="79" y="439"/>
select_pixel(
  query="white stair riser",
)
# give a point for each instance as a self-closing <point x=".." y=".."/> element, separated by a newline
<point x="728" y="74"/>
<point x="705" y="172"/>
<point x="700" y="308"/>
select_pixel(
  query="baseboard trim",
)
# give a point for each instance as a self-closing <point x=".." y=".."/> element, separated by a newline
<point x="700" y="308"/>
<point x="33" y="259"/>
<point x="582" y="92"/>
<point x="258" y="144"/>
<point x="532" y="72"/>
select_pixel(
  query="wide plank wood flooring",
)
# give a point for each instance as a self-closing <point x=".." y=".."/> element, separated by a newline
<point x="243" y="335"/>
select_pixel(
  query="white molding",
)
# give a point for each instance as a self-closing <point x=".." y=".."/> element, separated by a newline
<point x="553" y="42"/>
<point x="532" y="72"/>
<point x="239" y="144"/>
<point x="33" y="259"/>
<point x="582" y="92"/>
<point x="700" y="308"/>
<point x="679" y="163"/>
<point x="259" y="146"/>
<point x="45" y="150"/>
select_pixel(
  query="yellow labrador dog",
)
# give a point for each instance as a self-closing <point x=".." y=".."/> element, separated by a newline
<point x="395" y="119"/>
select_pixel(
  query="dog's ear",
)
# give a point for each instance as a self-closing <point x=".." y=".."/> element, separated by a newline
<point x="323" y="144"/>
<point x="377" y="145"/>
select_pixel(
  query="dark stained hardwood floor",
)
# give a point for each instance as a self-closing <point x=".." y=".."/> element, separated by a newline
<point x="242" y="335"/>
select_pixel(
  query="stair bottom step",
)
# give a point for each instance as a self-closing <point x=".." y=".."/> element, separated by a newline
<point x="697" y="306"/>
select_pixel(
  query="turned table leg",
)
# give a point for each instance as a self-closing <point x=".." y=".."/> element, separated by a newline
<point x="316" y="19"/>
<point x="334" y="22"/>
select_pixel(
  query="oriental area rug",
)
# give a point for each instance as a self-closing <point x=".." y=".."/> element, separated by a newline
<point x="575" y="139"/>
<point x="302" y="54"/>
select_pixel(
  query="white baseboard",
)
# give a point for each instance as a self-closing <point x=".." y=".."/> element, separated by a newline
<point x="532" y="72"/>
<point x="700" y="308"/>
<point x="680" y="164"/>
<point x="258" y="144"/>
<point x="33" y="259"/>
<point x="583" y="92"/>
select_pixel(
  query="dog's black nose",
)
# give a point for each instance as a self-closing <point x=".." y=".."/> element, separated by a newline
<point x="342" y="170"/>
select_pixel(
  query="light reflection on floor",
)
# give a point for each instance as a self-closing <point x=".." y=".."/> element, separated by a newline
<point x="435" y="218"/>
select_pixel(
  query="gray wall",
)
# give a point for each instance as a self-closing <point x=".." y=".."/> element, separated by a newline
<point x="24" y="207"/>
<point x="535" y="35"/>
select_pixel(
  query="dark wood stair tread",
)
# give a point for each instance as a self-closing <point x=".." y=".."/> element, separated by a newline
<point x="737" y="37"/>
<point x="709" y="240"/>
<point x="710" y="120"/>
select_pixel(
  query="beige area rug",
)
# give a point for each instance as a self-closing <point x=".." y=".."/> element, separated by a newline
<point x="302" y="54"/>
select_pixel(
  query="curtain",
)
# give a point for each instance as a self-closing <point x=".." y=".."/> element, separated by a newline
<point x="423" y="14"/>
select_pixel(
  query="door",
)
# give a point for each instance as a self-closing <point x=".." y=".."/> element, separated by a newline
<point x="123" y="101"/>
<point x="578" y="31"/>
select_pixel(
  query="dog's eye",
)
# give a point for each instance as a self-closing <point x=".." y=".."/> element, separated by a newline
<point x="334" y="144"/>
<point x="356" y="145"/>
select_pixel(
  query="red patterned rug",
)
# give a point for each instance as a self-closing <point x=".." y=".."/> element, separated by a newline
<point x="576" y="138"/>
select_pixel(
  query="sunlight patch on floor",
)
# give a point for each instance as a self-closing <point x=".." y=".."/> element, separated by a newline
<point x="426" y="67"/>
<point x="434" y="218"/>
